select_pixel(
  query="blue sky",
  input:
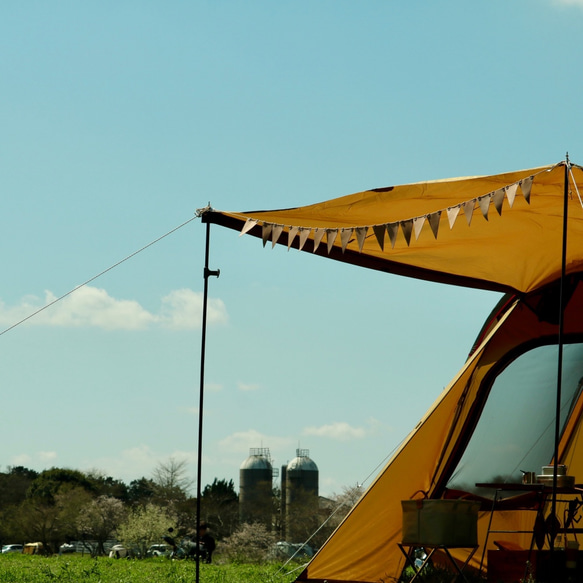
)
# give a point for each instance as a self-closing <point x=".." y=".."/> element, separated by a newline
<point x="120" y="119"/>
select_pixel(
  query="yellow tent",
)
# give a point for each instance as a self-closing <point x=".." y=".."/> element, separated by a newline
<point x="496" y="418"/>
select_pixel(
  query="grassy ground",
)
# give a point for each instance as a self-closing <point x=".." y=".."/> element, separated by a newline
<point x="77" y="569"/>
<point x="18" y="568"/>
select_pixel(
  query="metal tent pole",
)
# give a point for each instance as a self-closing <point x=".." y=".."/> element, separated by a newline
<point x="206" y="274"/>
<point x="553" y="527"/>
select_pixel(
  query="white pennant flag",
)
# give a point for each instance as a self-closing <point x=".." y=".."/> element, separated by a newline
<point x="511" y="193"/>
<point x="433" y="220"/>
<point x="331" y="235"/>
<point x="318" y="235"/>
<point x="293" y="231"/>
<point x="267" y="228"/>
<point x="484" y="202"/>
<point x="345" y="236"/>
<point x="418" y="223"/>
<point x="452" y="213"/>
<point x="249" y="224"/>
<point x="469" y="210"/>
<point x="276" y="234"/>
<point x="498" y="199"/>
<point x="361" y="236"/>
<point x="304" y="234"/>
<point x="392" y="230"/>
<point x="525" y="186"/>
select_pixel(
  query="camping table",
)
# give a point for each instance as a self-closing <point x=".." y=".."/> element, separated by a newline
<point x="542" y="492"/>
<point x="445" y="549"/>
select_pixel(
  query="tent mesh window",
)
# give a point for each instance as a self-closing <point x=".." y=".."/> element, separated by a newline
<point x="516" y="429"/>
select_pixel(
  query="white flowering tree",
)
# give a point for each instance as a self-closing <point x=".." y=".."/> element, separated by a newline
<point x="99" y="519"/>
<point x="145" y="526"/>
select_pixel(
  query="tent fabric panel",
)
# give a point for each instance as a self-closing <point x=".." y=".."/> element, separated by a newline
<point x="364" y="546"/>
<point x="477" y="255"/>
<point x="522" y="326"/>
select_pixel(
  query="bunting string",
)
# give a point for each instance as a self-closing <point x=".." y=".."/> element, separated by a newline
<point x="409" y="228"/>
<point x="575" y="185"/>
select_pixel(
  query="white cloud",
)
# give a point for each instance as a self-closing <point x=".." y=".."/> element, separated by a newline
<point x="247" y="386"/>
<point x="94" y="307"/>
<point x="182" y="309"/>
<point x="47" y="456"/>
<point x="339" y="431"/>
<point x="376" y="427"/>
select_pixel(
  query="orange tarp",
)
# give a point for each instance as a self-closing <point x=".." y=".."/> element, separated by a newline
<point x="512" y="242"/>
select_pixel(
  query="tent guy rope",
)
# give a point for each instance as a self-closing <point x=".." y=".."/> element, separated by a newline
<point x="87" y="282"/>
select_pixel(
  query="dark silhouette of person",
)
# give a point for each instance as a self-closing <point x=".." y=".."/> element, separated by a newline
<point x="206" y="543"/>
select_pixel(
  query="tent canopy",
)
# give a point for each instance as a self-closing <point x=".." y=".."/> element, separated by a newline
<point x="500" y="232"/>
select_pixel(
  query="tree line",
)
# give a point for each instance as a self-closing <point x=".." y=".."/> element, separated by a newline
<point x="59" y="505"/>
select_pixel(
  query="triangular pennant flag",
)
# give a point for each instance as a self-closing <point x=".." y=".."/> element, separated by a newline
<point x="249" y="224"/>
<point x="452" y="213"/>
<point x="484" y="202"/>
<point x="511" y="193"/>
<point x="407" y="227"/>
<point x="525" y="186"/>
<point x="267" y="228"/>
<point x="498" y="199"/>
<point x="293" y="231"/>
<point x="379" y="231"/>
<point x="469" y="210"/>
<point x="433" y="220"/>
<point x="304" y="234"/>
<point x="392" y="230"/>
<point x="331" y="235"/>
<point x="418" y="223"/>
<point x="318" y="235"/>
<point x="275" y="234"/>
<point x="361" y="236"/>
<point x="345" y="236"/>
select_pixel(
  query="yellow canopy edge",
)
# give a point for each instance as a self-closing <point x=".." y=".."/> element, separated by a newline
<point x="501" y="232"/>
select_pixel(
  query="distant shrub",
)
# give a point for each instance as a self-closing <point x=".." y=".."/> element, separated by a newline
<point x="251" y="543"/>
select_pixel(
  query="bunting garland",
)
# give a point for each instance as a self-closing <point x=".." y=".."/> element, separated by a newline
<point x="408" y="227"/>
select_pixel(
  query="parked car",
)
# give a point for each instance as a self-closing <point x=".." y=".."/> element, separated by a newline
<point x="67" y="548"/>
<point x="33" y="549"/>
<point x="284" y="550"/>
<point x="158" y="551"/>
<point x="118" y="552"/>
<point x="12" y="549"/>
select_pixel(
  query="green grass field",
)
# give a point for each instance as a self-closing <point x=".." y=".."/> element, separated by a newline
<point x="19" y="568"/>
